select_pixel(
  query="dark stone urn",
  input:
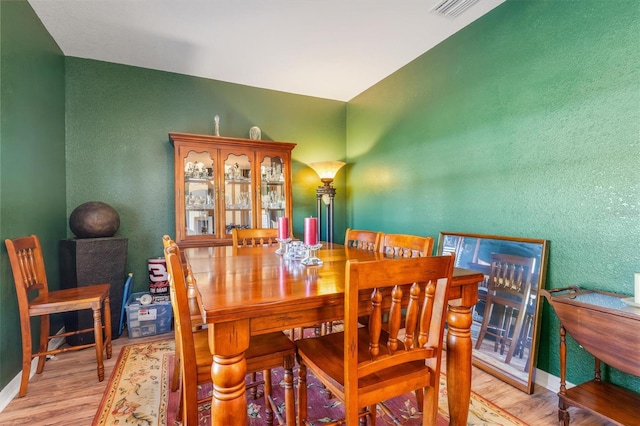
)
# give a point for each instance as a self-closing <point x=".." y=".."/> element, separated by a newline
<point x="94" y="219"/>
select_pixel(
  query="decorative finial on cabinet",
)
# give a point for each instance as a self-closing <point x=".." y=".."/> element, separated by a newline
<point x="216" y="119"/>
<point x="255" y="133"/>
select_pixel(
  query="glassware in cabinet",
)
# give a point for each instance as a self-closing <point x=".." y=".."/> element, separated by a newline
<point x="237" y="192"/>
<point x="199" y="194"/>
<point x="273" y="192"/>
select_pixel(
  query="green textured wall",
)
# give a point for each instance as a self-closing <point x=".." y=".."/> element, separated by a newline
<point x="32" y="169"/>
<point x="526" y="123"/>
<point x="118" y="150"/>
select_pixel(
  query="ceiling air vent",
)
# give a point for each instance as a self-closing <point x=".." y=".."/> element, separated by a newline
<point x="452" y="8"/>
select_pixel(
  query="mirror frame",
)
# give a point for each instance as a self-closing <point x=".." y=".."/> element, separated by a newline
<point x="489" y="363"/>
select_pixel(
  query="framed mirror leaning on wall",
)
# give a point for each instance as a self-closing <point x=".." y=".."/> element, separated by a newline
<point x="506" y="319"/>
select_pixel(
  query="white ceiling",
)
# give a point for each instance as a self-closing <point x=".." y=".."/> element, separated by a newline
<point x="332" y="49"/>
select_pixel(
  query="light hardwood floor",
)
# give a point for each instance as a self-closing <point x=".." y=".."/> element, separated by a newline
<point x="68" y="394"/>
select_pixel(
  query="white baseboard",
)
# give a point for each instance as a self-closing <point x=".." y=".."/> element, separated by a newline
<point x="549" y="381"/>
<point x="13" y="387"/>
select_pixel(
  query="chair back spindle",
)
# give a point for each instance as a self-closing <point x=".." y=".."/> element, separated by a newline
<point x="255" y="237"/>
<point x="390" y="284"/>
<point x="362" y="239"/>
<point x="31" y="269"/>
<point x="403" y="245"/>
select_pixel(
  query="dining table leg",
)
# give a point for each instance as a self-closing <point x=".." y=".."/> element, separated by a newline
<point x="459" y="348"/>
<point x="228" y="343"/>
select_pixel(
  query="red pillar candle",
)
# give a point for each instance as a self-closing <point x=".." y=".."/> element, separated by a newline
<point x="283" y="228"/>
<point x="311" y="231"/>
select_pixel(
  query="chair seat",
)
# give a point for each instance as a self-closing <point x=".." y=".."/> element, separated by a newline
<point x="59" y="300"/>
<point x="265" y="352"/>
<point x="325" y="354"/>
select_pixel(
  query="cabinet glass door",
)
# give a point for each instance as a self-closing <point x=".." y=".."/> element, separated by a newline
<point x="238" y="197"/>
<point x="272" y="192"/>
<point x="200" y="194"/>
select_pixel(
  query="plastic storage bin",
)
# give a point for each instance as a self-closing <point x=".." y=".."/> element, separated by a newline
<point x="147" y="320"/>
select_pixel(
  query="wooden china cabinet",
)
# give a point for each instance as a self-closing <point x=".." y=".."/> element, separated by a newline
<point x="224" y="183"/>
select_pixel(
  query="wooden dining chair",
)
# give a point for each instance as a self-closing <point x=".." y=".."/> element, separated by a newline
<point x="265" y="352"/>
<point x="399" y="246"/>
<point x="362" y="239"/>
<point x="358" y="239"/>
<point x="196" y="318"/>
<point x="35" y="300"/>
<point x="262" y="237"/>
<point x="362" y="366"/>
<point x="509" y="291"/>
<point x="403" y="245"/>
<point x="254" y="237"/>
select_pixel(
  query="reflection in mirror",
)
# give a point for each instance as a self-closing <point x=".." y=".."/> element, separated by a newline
<point x="506" y="319"/>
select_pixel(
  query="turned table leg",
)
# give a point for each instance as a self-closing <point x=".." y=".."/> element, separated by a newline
<point x="228" y="343"/>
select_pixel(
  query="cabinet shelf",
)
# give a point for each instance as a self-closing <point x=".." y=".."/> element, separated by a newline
<point x="198" y="180"/>
<point x="202" y="207"/>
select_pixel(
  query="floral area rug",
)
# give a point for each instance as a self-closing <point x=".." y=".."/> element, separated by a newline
<point x="139" y="394"/>
<point x="138" y="389"/>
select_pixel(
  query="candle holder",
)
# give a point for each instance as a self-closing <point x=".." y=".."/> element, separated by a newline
<point x="312" y="258"/>
<point x="283" y="245"/>
<point x="295" y="250"/>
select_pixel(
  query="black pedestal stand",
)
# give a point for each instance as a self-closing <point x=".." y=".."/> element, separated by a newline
<point x="88" y="261"/>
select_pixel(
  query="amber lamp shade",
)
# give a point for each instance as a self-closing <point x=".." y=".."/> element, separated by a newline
<point x="327" y="170"/>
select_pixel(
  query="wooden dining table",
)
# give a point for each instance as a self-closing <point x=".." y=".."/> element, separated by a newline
<point x="251" y="291"/>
